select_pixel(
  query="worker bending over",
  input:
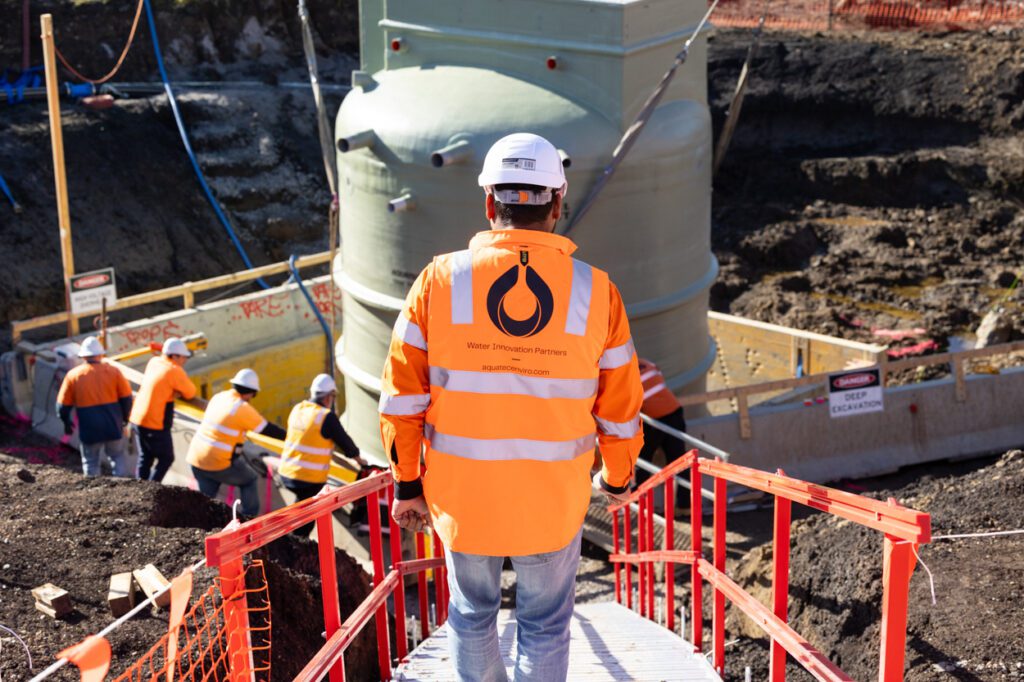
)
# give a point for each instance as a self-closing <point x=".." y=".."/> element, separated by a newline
<point x="153" y="413"/>
<point x="661" y="404"/>
<point x="504" y="362"/>
<point x="101" y="396"/>
<point x="216" y="448"/>
<point x="313" y="432"/>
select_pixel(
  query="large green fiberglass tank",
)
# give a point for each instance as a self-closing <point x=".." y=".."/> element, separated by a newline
<point x="441" y="81"/>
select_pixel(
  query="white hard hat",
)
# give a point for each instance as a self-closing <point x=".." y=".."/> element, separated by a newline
<point x="246" y="378"/>
<point x="91" y="347"/>
<point x="175" y="346"/>
<point x="322" y="385"/>
<point x="523" y="159"/>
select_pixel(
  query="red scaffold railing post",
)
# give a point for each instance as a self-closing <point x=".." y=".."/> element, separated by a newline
<point x="650" y="546"/>
<point x="401" y="645"/>
<point x="898" y="565"/>
<point x="641" y="547"/>
<point x="695" y="545"/>
<point x="780" y="581"/>
<point x="718" y="613"/>
<point x="618" y="565"/>
<point x="439" y="601"/>
<point x="670" y="568"/>
<point x="236" y="620"/>
<point x="421" y="553"/>
<point x="628" y="535"/>
<point x="329" y="587"/>
<point x="377" y="557"/>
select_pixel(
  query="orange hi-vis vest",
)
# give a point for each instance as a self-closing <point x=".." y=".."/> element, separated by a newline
<point x="510" y="362"/>
<point x="307" y="454"/>
<point x="227" y="419"/>
<point x="658" y="400"/>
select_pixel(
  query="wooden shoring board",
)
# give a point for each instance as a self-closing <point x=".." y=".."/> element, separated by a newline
<point x="609" y="642"/>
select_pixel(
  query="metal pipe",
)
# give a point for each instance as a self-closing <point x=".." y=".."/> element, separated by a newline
<point x="566" y="159"/>
<point x="356" y="141"/>
<point x="457" y="152"/>
<point x="401" y="204"/>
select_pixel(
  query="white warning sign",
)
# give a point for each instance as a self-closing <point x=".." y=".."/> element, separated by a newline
<point x="90" y="288"/>
<point x="857" y="392"/>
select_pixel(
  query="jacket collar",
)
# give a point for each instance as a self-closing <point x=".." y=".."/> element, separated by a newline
<point x="510" y="238"/>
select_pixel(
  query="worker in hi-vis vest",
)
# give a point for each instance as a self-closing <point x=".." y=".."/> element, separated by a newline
<point x="510" y="361"/>
<point x="153" y="412"/>
<point x="101" y="396"/>
<point x="313" y="433"/>
<point x="661" y="404"/>
<point x="216" y="448"/>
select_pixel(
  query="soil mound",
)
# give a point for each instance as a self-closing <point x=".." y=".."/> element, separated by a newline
<point x="75" y="532"/>
<point x="971" y="633"/>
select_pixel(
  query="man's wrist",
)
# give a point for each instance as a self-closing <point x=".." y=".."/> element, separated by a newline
<point x="614" y="490"/>
<point x="408" y="490"/>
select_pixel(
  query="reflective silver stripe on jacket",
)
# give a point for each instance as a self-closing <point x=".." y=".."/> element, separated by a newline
<point x="648" y="374"/>
<point x="617" y="356"/>
<point x="308" y="449"/>
<point x="656" y="388"/>
<point x="498" y="449"/>
<point x="303" y="464"/>
<point x="236" y="406"/>
<point x="618" y="429"/>
<point x="579" y="298"/>
<point x="213" y="443"/>
<point x="223" y="429"/>
<point x="462" y="287"/>
<point x="502" y="383"/>
<point x="409" y="332"/>
<point x="403" y="405"/>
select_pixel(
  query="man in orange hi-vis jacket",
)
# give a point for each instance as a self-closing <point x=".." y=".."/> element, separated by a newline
<point x="510" y="361"/>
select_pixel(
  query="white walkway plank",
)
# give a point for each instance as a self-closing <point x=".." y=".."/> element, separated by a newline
<point x="609" y="642"/>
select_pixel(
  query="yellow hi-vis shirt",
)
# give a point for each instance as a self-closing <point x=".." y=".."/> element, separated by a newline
<point x="227" y="419"/>
<point x="307" y="454"/>
<point x="510" y="362"/>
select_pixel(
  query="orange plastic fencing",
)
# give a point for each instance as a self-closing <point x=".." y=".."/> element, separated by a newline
<point x="198" y="645"/>
<point x="820" y="15"/>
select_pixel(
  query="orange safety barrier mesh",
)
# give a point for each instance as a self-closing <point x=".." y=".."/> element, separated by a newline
<point x="201" y="647"/>
<point x="816" y="15"/>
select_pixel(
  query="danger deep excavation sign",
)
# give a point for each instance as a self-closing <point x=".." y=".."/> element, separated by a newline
<point x="857" y="392"/>
<point x="90" y="288"/>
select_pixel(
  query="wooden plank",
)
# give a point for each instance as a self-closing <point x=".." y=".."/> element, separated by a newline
<point x="151" y="580"/>
<point x="121" y="596"/>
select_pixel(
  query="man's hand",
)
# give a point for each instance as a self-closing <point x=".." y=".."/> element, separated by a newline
<point x="411" y="514"/>
<point x="69" y="428"/>
<point x="610" y="497"/>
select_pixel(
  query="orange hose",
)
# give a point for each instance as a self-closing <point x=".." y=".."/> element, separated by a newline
<point x="120" y="61"/>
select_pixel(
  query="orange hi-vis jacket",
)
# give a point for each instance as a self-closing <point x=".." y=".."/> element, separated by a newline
<point x="307" y="454"/>
<point x="227" y="419"/>
<point x="658" y="400"/>
<point x="154" y="403"/>
<point x="102" y="397"/>
<point x="510" y="362"/>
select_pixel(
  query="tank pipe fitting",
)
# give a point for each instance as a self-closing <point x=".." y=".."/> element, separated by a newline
<point x="566" y="159"/>
<point x="457" y="152"/>
<point x="355" y="141"/>
<point x="401" y="204"/>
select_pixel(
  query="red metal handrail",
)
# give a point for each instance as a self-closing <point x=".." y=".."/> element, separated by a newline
<point x="904" y="529"/>
<point x="227" y="549"/>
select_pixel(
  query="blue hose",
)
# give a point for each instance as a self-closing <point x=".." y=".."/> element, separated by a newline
<point x="188" y="147"/>
<point x="316" y="311"/>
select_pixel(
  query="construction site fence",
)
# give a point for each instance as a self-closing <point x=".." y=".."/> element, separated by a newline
<point x="635" y="552"/>
<point x="228" y="550"/>
<point x="827" y="15"/>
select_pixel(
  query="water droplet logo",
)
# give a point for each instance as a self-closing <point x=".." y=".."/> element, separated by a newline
<point x="545" y="303"/>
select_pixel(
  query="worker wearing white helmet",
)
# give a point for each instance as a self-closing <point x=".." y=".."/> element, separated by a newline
<point x="509" y="362"/>
<point x="214" y="453"/>
<point x="313" y="432"/>
<point x="153" y="413"/>
<point x="102" y="398"/>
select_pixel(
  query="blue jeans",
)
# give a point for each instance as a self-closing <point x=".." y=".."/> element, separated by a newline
<point x="240" y="475"/>
<point x="545" y="593"/>
<point x="92" y="453"/>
